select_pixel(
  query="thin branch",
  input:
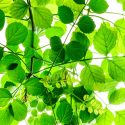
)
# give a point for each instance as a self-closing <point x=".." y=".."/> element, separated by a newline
<point x="19" y="19"/>
<point x="106" y="57"/>
<point x="42" y="46"/>
<point x="108" y="21"/>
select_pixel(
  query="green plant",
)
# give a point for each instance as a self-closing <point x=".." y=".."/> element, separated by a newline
<point x="40" y="79"/>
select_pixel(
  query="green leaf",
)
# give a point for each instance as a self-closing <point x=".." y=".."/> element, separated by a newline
<point x="5" y="117"/>
<point x="12" y="66"/>
<point x="8" y="60"/>
<point x="116" y="68"/>
<point x="2" y="19"/>
<point x="105" y="39"/>
<point x="46" y="119"/>
<point x="27" y="42"/>
<point x="65" y="14"/>
<point x="42" y="17"/>
<point x="54" y="31"/>
<point x="18" y="110"/>
<point x="90" y="75"/>
<point x="18" y="9"/>
<point x="79" y="92"/>
<point x="55" y="55"/>
<point x="9" y="84"/>
<point x="16" y="75"/>
<point x="117" y="97"/>
<point x="79" y="1"/>
<point x="86" y="24"/>
<point x="55" y="43"/>
<point x="86" y="117"/>
<point x="76" y="50"/>
<point x="120" y="117"/>
<point x="34" y="87"/>
<point x="96" y="6"/>
<point x="16" y="33"/>
<point x="34" y="112"/>
<point x="1" y="52"/>
<point x="41" y="106"/>
<point x="105" y="119"/>
<point x="5" y="97"/>
<point x="34" y="103"/>
<point x="64" y="112"/>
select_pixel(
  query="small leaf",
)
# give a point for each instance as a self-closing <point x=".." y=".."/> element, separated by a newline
<point x="18" y="110"/>
<point x="12" y="66"/>
<point x="5" y="117"/>
<point x="86" y="117"/>
<point x="117" y="97"/>
<point x="116" y="68"/>
<point x="105" y="39"/>
<point x="79" y="1"/>
<point x="65" y="14"/>
<point x="34" y="103"/>
<point x="5" y="97"/>
<point x="16" y="33"/>
<point x="64" y="112"/>
<point x="46" y="119"/>
<point x="34" y="87"/>
<point x="2" y="19"/>
<point x="105" y="119"/>
<point x="96" y="6"/>
<point x="120" y="117"/>
<point x="42" y="17"/>
<point x="90" y="75"/>
<point x="55" y="43"/>
<point x="86" y="24"/>
<point x="18" y="9"/>
<point x="9" y="84"/>
<point x="41" y="106"/>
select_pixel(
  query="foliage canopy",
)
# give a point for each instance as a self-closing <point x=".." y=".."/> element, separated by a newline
<point x="41" y="82"/>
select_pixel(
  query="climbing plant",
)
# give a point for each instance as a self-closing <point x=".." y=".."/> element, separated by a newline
<point x="54" y="60"/>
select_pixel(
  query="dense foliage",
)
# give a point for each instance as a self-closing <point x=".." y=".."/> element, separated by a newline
<point x="40" y="82"/>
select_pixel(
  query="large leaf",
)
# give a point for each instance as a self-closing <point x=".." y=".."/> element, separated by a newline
<point x="18" y="110"/>
<point x="5" y="117"/>
<point x="105" y="39"/>
<point x="116" y="68"/>
<point x="65" y="14"/>
<point x="46" y="119"/>
<point x="16" y="33"/>
<point x="34" y="87"/>
<point x="18" y="9"/>
<point x="120" y="117"/>
<point x="5" y="97"/>
<point x="86" y="24"/>
<point x="96" y="6"/>
<point x="117" y="97"/>
<point x="90" y="75"/>
<point x="105" y="119"/>
<point x="64" y="112"/>
<point x="5" y="4"/>
<point x="76" y="50"/>
<point x="16" y="75"/>
<point x="42" y="17"/>
<point x="2" y="19"/>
